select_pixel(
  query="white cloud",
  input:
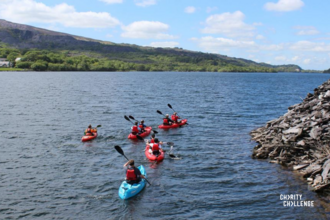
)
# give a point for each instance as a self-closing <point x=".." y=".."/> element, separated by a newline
<point x="108" y="36"/>
<point x="307" y="61"/>
<point x="306" y="30"/>
<point x="145" y="3"/>
<point x="190" y="9"/>
<point x="260" y="37"/>
<point x="165" y="44"/>
<point x="31" y="11"/>
<point x="112" y="1"/>
<point x="272" y="47"/>
<point x="229" y="24"/>
<point x="284" y="5"/>
<point x="210" y="9"/>
<point x="147" y="30"/>
<point x="280" y="58"/>
<point x="310" y="46"/>
<point x="216" y="44"/>
<point x="295" y="58"/>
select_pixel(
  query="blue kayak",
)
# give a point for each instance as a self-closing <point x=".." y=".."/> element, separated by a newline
<point x="127" y="190"/>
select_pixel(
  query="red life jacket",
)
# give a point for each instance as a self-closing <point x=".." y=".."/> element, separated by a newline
<point x="89" y="132"/>
<point x="135" y="129"/>
<point x="141" y="127"/>
<point x="175" y="118"/>
<point x="130" y="174"/>
<point x="152" y="141"/>
<point x="165" y="121"/>
<point x="155" y="147"/>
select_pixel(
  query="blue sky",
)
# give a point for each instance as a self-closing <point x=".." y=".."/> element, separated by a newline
<point x="270" y="31"/>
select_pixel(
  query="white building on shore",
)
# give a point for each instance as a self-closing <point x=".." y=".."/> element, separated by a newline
<point x="4" y="62"/>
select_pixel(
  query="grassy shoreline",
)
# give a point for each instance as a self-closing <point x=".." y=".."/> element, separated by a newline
<point x="10" y="69"/>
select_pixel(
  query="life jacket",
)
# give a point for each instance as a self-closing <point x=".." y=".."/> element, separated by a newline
<point x="135" y="129"/>
<point x="141" y="127"/>
<point x="152" y="141"/>
<point x="165" y="121"/>
<point x="130" y="174"/>
<point x="175" y="118"/>
<point x="89" y="132"/>
<point x="155" y="147"/>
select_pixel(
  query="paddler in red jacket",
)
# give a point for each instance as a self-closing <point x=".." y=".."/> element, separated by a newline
<point x="135" y="129"/>
<point x="156" y="147"/>
<point x="133" y="174"/>
<point x="152" y="139"/>
<point x="175" y="118"/>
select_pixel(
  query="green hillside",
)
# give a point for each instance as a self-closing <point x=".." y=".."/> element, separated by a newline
<point x="44" y="50"/>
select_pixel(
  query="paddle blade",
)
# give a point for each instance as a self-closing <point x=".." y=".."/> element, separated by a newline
<point x="119" y="150"/>
<point x="131" y="117"/>
<point x="139" y="137"/>
<point x="156" y="132"/>
<point x="159" y="112"/>
<point x="98" y="126"/>
<point x="169" y="105"/>
<point x="126" y="118"/>
<point x="170" y="143"/>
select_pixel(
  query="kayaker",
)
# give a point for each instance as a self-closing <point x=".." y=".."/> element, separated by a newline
<point x="88" y="131"/>
<point x="175" y="118"/>
<point x="156" y="147"/>
<point x="152" y="139"/>
<point x="167" y="120"/>
<point x="142" y="126"/>
<point x="135" y="129"/>
<point x="133" y="174"/>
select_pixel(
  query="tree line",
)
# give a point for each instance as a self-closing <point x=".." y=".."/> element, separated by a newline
<point x="47" y="60"/>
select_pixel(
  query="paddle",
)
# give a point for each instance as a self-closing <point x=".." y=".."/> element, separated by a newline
<point x="159" y="112"/>
<point x="128" y="119"/>
<point x="170" y="106"/>
<point x="172" y="156"/>
<point x="131" y="117"/>
<point x="120" y="151"/>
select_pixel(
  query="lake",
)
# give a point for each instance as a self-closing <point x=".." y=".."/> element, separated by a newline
<point x="48" y="173"/>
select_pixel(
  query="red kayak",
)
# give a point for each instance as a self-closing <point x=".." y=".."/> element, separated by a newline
<point x="144" y="134"/>
<point x="88" y="138"/>
<point x="150" y="156"/>
<point x="175" y="125"/>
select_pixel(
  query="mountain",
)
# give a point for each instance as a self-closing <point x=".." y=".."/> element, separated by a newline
<point x="24" y="38"/>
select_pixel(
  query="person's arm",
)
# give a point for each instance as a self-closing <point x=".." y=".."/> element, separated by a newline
<point x="125" y="165"/>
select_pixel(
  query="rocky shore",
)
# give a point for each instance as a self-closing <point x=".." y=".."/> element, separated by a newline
<point x="300" y="138"/>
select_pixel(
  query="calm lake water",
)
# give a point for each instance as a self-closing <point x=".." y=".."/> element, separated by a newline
<point x="46" y="172"/>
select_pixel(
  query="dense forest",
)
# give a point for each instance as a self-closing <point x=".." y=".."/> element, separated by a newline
<point x="65" y="60"/>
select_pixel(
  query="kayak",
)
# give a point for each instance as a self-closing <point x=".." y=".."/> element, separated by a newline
<point x="175" y="125"/>
<point x="127" y="190"/>
<point x="144" y="134"/>
<point x="88" y="138"/>
<point x="150" y="156"/>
